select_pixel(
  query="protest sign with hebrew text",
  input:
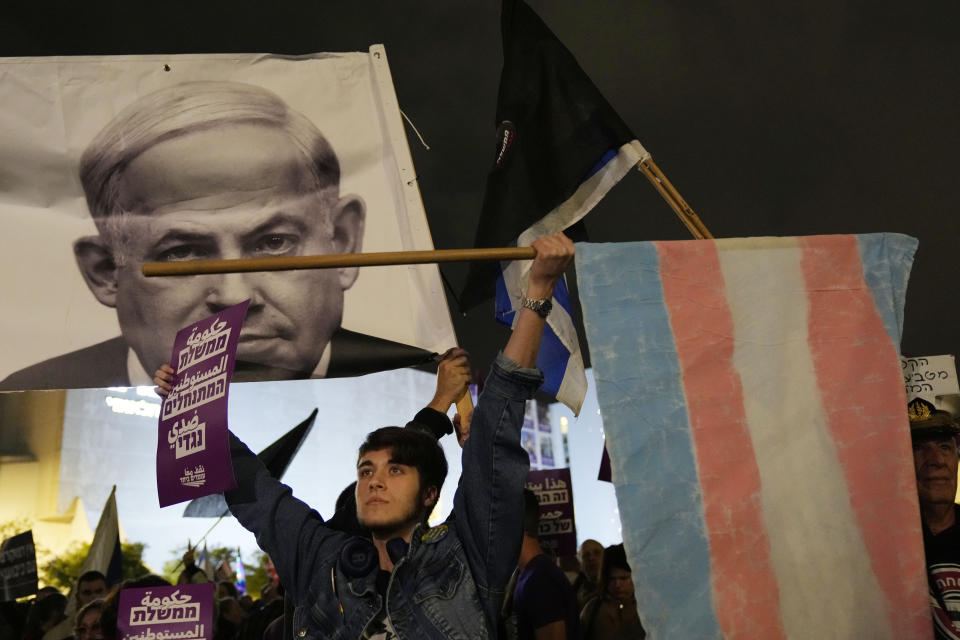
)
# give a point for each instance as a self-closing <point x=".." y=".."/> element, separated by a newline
<point x="193" y="451"/>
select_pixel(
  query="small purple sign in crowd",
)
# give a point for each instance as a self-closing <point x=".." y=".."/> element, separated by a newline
<point x="193" y="448"/>
<point x="184" y="612"/>
<point x="554" y="491"/>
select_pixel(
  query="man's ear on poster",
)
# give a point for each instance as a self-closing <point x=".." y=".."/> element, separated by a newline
<point x="348" y="218"/>
<point x="98" y="266"/>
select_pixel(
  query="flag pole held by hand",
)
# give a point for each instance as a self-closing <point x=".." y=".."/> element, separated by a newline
<point x="335" y="261"/>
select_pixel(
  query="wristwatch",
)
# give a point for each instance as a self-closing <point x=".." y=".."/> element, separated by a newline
<point x="541" y="307"/>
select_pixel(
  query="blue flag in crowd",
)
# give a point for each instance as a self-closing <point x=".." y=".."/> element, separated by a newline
<point x="241" y="574"/>
<point x="560" y="148"/>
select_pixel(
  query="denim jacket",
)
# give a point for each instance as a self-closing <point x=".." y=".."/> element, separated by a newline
<point x="449" y="581"/>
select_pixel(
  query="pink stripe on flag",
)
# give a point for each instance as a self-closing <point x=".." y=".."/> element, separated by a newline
<point x="745" y="589"/>
<point x="867" y="417"/>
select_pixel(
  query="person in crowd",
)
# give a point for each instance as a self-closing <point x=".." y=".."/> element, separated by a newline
<point x="108" y="616"/>
<point x="191" y="574"/>
<point x="48" y="590"/>
<point x="570" y="565"/>
<point x="91" y="586"/>
<point x="227" y="589"/>
<point x="934" y="435"/>
<point x="247" y="603"/>
<point x="87" y="624"/>
<point x="613" y="615"/>
<point x="230" y="619"/>
<point x="13" y="618"/>
<point x="45" y="614"/>
<point x="586" y="583"/>
<point x="543" y="601"/>
<point x="409" y="580"/>
<point x="268" y="609"/>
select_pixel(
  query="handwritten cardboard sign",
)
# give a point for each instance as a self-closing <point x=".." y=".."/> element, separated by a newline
<point x="929" y="377"/>
<point x="554" y="491"/>
<point x="193" y="447"/>
<point x="18" y="567"/>
<point x="183" y="612"/>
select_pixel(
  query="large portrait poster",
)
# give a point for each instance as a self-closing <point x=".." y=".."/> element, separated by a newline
<point x="109" y="162"/>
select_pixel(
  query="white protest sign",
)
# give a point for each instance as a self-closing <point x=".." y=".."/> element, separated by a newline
<point x="930" y="377"/>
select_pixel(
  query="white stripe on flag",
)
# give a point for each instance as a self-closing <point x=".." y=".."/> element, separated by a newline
<point x="827" y="586"/>
<point x="573" y="388"/>
<point x="587" y="194"/>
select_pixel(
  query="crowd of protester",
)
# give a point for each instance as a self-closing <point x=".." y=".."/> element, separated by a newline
<point x="236" y="616"/>
<point x="595" y="602"/>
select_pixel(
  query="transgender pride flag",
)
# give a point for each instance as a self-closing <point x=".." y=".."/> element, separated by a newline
<point x="752" y="396"/>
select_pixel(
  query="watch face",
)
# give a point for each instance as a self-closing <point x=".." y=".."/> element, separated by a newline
<point x="541" y="307"/>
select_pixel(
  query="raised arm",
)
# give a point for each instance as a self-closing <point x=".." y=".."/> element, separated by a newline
<point x="489" y="502"/>
<point x="554" y="254"/>
<point x="286" y="528"/>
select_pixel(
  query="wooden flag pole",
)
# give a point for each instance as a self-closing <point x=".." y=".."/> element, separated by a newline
<point x="290" y="263"/>
<point x="683" y="210"/>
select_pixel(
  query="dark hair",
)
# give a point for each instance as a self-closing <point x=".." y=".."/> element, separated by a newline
<point x="91" y="576"/>
<point x="231" y="588"/>
<point x="146" y="580"/>
<point x="531" y="514"/>
<point x="50" y="608"/>
<point x="412" y="448"/>
<point x="94" y="605"/>
<point x="108" y="615"/>
<point x="614" y="557"/>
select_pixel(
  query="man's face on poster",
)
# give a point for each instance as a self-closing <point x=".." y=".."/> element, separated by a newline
<point x="233" y="191"/>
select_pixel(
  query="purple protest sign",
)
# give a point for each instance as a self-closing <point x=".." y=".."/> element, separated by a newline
<point x="193" y="448"/>
<point x="183" y="612"/>
<point x="554" y="491"/>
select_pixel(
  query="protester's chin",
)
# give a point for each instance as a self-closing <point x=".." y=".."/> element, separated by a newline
<point x="377" y="524"/>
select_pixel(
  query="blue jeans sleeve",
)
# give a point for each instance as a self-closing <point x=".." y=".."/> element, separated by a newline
<point x="286" y="528"/>
<point x="488" y="505"/>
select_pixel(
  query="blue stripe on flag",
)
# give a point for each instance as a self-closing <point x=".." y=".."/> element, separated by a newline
<point x="553" y="356"/>
<point x="620" y="290"/>
<point x="878" y="253"/>
<point x="601" y="163"/>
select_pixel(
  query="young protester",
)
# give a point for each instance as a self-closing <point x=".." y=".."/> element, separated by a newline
<point x="406" y="580"/>
<point x="613" y="615"/>
<point x="87" y="624"/>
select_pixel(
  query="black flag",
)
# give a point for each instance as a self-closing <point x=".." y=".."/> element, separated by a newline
<point x="276" y="458"/>
<point x="557" y="138"/>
